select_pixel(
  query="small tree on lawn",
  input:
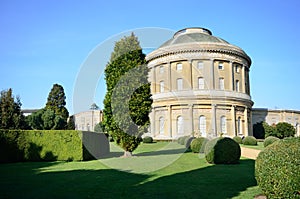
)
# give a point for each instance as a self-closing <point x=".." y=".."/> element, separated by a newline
<point x="128" y="100"/>
<point x="284" y="129"/>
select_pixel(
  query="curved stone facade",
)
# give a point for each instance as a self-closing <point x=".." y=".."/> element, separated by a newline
<point x="200" y="86"/>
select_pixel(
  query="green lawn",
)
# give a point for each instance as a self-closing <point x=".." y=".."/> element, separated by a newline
<point x="259" y="146"/>
<point x="186" y="176"/>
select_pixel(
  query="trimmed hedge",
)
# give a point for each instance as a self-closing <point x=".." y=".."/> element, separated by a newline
<point x="181" y="140"/>
<point x="222" y="150"/>
<point x="270" y="140"/>
<point x="198" y="145"/>
<point x="277" y="169"/>
<point x="147" y="139"/>
<point x="250" y="140"/>
<point x="238" y="139"/>
<point x="51" y="145"/>
<point x="188" y="141"/>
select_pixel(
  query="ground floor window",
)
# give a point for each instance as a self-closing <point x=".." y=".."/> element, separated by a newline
<point x="202" y="125"/>
<point x="180" y="125"/>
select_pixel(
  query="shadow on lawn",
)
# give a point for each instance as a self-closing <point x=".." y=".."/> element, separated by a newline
<point x="217" y="181"/>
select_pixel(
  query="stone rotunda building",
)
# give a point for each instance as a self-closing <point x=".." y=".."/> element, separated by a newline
<point x="200" y="85"/>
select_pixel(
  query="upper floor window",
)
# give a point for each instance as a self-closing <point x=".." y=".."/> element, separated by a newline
<point x="179" y="84"/>
<point x="161" y="86"/>
<point x="200" y="83"/>
<point x="237" y="68"/>
<point x="200" y="65"/>
<point x="179" y="66"/>
<point x="237" y="86"/>
<point x="221" y="66"/>
<point x="161" y="69"/>
<point x="221" y="84"/>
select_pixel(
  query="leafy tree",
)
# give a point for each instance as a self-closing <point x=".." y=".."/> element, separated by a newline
<point x="35" y="120"/>
<point x="11" y="116"/>
<point x="284" y="129"/>
<point x="99" y="127"/>
<point x="258" y="130"/>
<point x="71" y="123"/>
<point x="269" y="130"/>
<point x="127" y="102"/>
<point x="57" y="100"/>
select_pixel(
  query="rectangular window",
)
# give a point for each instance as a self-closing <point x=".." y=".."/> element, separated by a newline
<point x="200" y="65"/>
<point x="179" y="84"/>
<point x="221" y="66"/>
<point x="237" y="68"/>
<point x="179" y="66"/>
<point x="221" y="84"/>
<point x="161" y="69"/>
<point x="161" y="86"/>
<point x="200" y="83"/>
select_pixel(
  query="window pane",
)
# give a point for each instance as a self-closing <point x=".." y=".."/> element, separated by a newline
<point x="223" y="124"/>
<point x="221" y="83"/>
<point x="162" y="86"/>
<point x="161" y="125"/>
<point x="200" y="83"/>
<point x="221" y="66"/>
<point x="179" y="66"/>
<point x="202" y="126"/>
<point x="179" y="125"/>
<point x="237" y="85"/>
<point x="161" y="69"/>
<point x="200" y="65"/>
<point x="179" y="84"/>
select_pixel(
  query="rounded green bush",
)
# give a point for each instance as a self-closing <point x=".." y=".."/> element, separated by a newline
<point x="238" y="139"/>
<point x="147" y="139"/>
<point x="188" y="141"/>
<point x="181" y="140"/>
<point x="270" y="140"/>
<point x="277" y="169"/>
<point x="222" y="150"/>
<point x="249" y="140"/>
<point x="197" y="144"/>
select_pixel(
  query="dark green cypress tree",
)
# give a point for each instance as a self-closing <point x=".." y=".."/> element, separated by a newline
<point x="127" y="102"/>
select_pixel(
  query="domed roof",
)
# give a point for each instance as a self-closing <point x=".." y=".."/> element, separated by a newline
<point x="191" y="35"/>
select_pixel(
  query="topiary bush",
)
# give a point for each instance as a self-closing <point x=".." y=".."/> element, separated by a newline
<point x="147" y="139"/>
<point x="270" y="140"/>
<point x="222" y="150"/>
<point x="238" y="139"/>
<point x="250" y="140"/>
<point x="198" y="144"/>
<point x="188" y="141"/>
<point x="277" y="169"/>
<point x="181" y="140"/>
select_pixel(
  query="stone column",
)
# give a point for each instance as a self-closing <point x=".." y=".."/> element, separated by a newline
<point x="212" y="76"/>
<point x="213" y="121"/>
<point x="191" y="118"/>
<point x="191" y="73"/>
<point x="152" y="121"/>
<point x="243" y="89"/>
<point x="233" y="120"/>
<point x="154" y="83"/>
<point x="246" y="126"/>
<point x="170" y="120"/>
<point x="170" y="76"/>
<point x="231" y="79"/>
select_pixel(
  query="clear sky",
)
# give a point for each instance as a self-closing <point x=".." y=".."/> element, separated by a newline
<point x="46" y="42"/>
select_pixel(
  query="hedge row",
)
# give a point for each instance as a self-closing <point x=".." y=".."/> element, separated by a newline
<point x="51" y="145"/>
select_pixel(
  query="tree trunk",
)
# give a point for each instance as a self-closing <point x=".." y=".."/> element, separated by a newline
<point x="127" y="154"/>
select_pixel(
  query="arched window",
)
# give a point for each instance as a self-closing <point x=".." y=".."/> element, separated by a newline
<point x="200" y="83"/>
<point x="202" y="125"/>
<point x="180" y="125"/>
<point x="223" y="124"/>
<point x="221" y="83"/>
<point x="161" y="86"/>
<point x="161" y="125"/>
<point x="239" y="126"/>
<point x="179" y="84"/>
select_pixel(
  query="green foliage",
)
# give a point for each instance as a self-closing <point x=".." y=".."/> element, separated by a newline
<point x="181" y="140"/>
<point x="269" y="130"/>
<point x="71" y="123"/>
<point x="38" y="145"/>
<point x="11" y="116"/>
<point x="258" y="130"/>
<point x="99" y="127"/>
<point x="127" y="102"/>
<point x="147" y="139"/>
<point x="198" y="144"/>
<point x="270" y="140"/>
<point x="284" y="129"/>
<point x="250" y="140"/>
<point x="222" y="150"/>
<point x="187" y="142"/>
<point x="277" y="169"/>
<point x="238" y="139"/>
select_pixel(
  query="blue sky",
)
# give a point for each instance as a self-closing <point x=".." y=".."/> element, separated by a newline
<point x="46" y="42"/>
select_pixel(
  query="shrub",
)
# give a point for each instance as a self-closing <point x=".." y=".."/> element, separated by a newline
<point x="277" y="169"/>
<point x="238" y="139"/>
<point x="270" y="140"/>
<point x="181" y="140"/>
<point x="50" y="145"/>
<point x="147" y="139"/>
<point x="222" y="150"/>
<point x="249" y="140"/>
<point x="258" y="130"/>
<point x="198" y="144"/>
<point x="284" y="129"/>
<point x="188" y="141"/>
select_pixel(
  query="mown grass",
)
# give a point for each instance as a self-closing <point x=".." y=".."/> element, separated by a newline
<point x="259" y="146"/>
<point x="188" y="176"/>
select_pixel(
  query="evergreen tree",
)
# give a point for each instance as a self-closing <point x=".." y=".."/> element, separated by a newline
<point x="11" y="116"/>
<point x="127" y="102"/>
